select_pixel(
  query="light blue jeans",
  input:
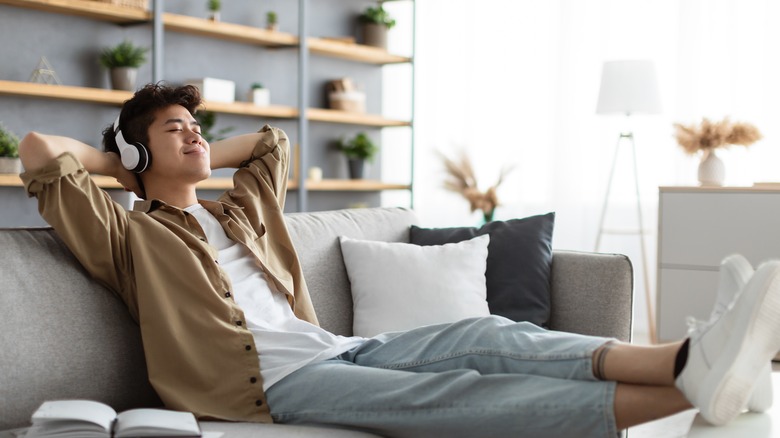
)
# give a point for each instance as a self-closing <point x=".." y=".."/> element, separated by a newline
<point x="482" y="377"/>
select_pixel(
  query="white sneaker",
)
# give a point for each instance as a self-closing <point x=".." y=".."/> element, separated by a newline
<point x="735" y="271"/>
<point x="726" y="356"/>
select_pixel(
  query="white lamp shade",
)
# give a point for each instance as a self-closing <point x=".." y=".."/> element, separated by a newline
<point x="629" y="87"/>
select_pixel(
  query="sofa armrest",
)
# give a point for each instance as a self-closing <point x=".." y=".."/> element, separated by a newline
<point x="592" y="294"/>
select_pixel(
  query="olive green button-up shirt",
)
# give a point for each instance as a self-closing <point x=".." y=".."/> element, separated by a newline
<point x="156" y="258"/>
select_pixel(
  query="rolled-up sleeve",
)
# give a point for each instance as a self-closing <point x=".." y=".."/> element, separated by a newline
<point x="265" y="173"/>
<point x="90" y="223"/>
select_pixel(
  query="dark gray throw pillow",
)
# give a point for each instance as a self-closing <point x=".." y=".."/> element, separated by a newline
<point x="518" y="263"/>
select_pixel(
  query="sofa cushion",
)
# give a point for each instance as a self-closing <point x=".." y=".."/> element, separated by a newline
<point x="399" y="286"/>
<point x="518" y="263"/>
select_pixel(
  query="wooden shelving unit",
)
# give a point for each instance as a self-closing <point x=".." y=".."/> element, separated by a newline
<point x="88" y="9"/>
<point x="326" y="47"/>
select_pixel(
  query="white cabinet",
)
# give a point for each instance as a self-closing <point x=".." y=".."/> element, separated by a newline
<point x="697" y="228"/>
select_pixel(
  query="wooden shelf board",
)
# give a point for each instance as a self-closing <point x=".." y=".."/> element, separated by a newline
<point x="114" y="97"/>
<point x="67" y="92"/>
<point x="83" y="8"/>
<point x="10" y="180"/>
<point x="228" y="31"/>
<point x="215" y="183"/>
<point x="337" y="116"/>
<point x="225" y="183"/>
<point x="250" y="109"/>
<point x="353" y="52"/>
<point x="352" y="185"/>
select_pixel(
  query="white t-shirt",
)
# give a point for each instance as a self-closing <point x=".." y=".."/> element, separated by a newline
<point x="285" y="343"/>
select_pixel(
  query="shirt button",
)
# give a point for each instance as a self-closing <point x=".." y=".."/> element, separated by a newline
<point x="259" y="403"/>
<point x="253" y="380"/>
<point x="239" y="323"/>
<point x="248" y="347"/>
<point x="227" y="294"/>
<point x="216" y="261"/>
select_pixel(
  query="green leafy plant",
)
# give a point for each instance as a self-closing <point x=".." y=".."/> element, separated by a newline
<point x="377" y="15"/>
<point x="256" y="85"/>
<point x="271" y="18"/>
<point x="9" y="143"/>
<point x="359" y="147"/>
<point x="214" y="5"/>
<point x="207" y="120"/>
<point x="124" y="54"/>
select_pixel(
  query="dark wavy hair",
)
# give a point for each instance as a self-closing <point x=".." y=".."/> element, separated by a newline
<point x="138" y="113"/>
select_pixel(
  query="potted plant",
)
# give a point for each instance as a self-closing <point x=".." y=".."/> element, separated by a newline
<point x="214" y="8"/>
<point x="358" y="150"/>
<point x="271" y="21"/>
<point x="123" y="61"/>
<point x="9" y="151"/>
<point x="707" y="137"/>
<point x="375" y="22"/>
<point x="259" y="95"/>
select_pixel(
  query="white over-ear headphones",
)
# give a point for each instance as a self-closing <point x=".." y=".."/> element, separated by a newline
<point x="135" y="157"/>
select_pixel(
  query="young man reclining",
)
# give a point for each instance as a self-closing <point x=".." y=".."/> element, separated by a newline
<point x="229" y="331"/>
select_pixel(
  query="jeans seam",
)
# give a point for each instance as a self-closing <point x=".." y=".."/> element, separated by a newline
<point x="483" y="352"/>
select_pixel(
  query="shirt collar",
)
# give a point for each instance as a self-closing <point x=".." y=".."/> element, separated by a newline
<point x="148" y="206"/>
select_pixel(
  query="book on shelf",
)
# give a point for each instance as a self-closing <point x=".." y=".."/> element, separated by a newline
<point x="87" y="419"/>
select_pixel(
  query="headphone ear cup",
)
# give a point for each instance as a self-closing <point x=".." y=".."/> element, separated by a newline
<point x="144" y="158"/>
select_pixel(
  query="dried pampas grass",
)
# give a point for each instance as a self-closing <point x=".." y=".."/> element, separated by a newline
<point x="709" y="135"/>
<point x="461" y="179"/>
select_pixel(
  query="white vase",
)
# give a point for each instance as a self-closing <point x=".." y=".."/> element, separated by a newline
<point x="712" y="172"/>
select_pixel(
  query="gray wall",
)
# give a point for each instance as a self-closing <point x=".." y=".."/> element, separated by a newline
<point x="71" y="44"/>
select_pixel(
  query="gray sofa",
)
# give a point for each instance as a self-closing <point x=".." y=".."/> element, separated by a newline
<point x="64" y="336"/>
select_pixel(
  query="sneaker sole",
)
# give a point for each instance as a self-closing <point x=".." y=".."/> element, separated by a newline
<point x="728" y="396"/>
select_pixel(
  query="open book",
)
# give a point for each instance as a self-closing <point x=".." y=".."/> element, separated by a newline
<point x="87" y="419"/>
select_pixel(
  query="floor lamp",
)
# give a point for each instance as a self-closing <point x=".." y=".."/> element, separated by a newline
<point x="629" y="87"/>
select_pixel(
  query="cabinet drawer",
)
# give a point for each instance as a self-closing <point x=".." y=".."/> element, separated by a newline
<point x="685" y="293"/>
<point x="700" y="229"/>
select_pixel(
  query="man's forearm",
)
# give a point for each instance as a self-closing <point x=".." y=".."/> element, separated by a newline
<point x="36" y="150"/>
<point x="233" y="151"/>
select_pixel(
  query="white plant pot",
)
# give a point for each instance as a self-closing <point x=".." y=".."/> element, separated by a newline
<point x="712" y="172"/>
<point x="260" y="96"/>
<point x="10" y="165"/>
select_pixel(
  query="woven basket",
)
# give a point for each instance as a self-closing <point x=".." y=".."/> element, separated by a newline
<point x="136" y="4"/>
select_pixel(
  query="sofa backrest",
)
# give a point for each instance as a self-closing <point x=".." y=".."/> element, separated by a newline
<point x="66" y="336"/>
<point x="316" y="240"/>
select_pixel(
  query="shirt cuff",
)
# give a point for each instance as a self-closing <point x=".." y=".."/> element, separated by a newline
<point x="35" y="180"/>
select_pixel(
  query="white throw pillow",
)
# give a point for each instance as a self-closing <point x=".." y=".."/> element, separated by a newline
<point x="401" y="286"/>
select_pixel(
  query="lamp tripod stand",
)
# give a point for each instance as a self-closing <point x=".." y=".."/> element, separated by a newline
<point x="629" y="137"/>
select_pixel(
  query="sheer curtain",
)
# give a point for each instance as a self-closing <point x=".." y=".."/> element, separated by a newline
<point x="516" y="82"/>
